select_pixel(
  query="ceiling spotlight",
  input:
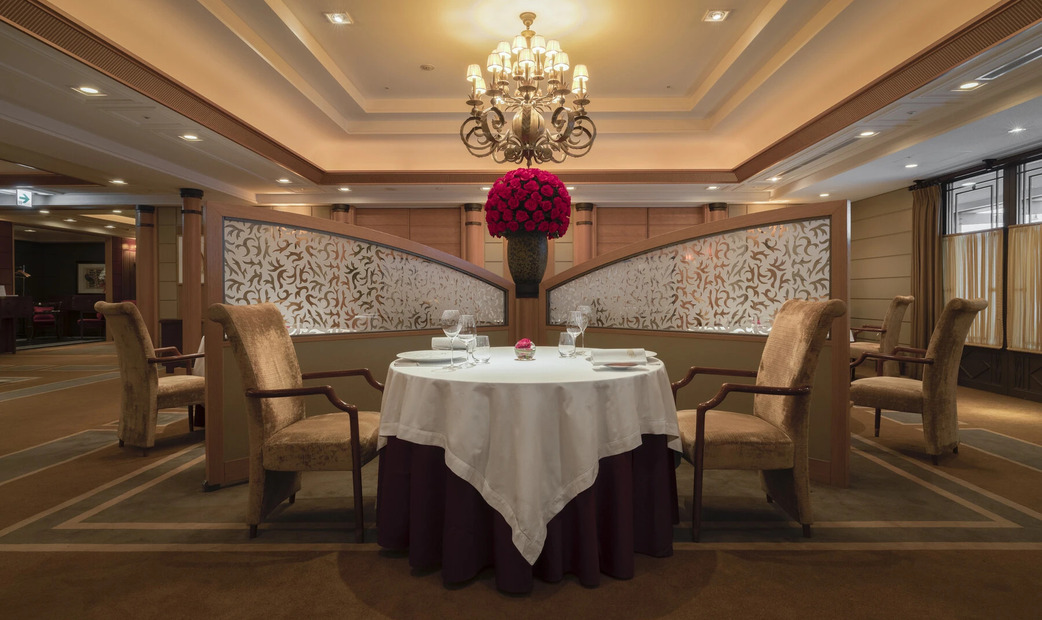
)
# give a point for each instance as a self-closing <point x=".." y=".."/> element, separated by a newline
<point x="109" y="226"/>
<point x="570" y="187"/>
<point x="44" y="212"/>
<point x="117" y="210"/>
<point x="190" y="137"/>
<point x="867" y="133"/>
<point x="90" y="91"/>
<point x="29" y="230"/>
<point x="968" y="85"/>
<point x="823" y="195"/>
<point x="283" y="181"/>
<point x="344" y="189"/>
<point x="712" y="187"/>
<point x="485" y="189"/>
<point x="69" y="219"/>
<point x="716" y="16"/>
<point x="118" y="182"/>
<point x="1017" y="130"/>
<point x="340" y="19"/>
<point x="911" y="165"/>
<point x="774" y="179"/>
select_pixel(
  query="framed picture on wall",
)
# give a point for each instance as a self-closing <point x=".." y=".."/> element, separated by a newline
<point x="90" y="278"/>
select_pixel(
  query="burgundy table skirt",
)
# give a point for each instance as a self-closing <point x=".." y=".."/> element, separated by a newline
<point x="444" y="522"/>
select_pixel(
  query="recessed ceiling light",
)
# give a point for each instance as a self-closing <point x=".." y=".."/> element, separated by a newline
<point x="117" y="210"/>
<point x="968" y="85"/>
<point x="1017" y="130"/>
<point x="109" y="226"/>
<point x="713" y="187"/>
<point x="344" y="189"/>
<point x="911" y="165"/>
<point x="823" y="195"/>
<point x="867" y="133"/>
<point x="190" y="137"/>
<point x="485" y="189"/>
<point x="340" y="19"/>
<point x="44" y="212"/>
<point x="68" y="219"/>
<point x="569" y="187"/>
<point x="118" y="182"/>
<point x="283" y="181"/>
<point x="774" y="179"/>
<point x="715" y="15"/>
<point x="90" y="91"/>
<point x="29" y="230"/>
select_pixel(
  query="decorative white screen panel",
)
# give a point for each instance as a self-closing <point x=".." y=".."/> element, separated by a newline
<point x="326" y="283"/>
<point x="731" y="282"/>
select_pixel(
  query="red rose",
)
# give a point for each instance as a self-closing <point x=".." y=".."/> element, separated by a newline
<point x="546" y="190"/>
<point x="543" y="226"/>
<point x="538" y="216"/>
<point x="529" y="225"/>
<point x="512" y="226"/>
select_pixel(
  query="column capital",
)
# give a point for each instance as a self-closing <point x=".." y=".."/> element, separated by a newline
<point x="341" y="207"/>
<point x="473" y="206"/>
<point x="718" y="206"/>
<point x="583" y="206"/>
<point x="145" y="209"/>
<point x="191" y="192"/>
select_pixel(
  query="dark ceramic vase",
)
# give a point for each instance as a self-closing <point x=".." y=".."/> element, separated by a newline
<point x="526" y="259"/>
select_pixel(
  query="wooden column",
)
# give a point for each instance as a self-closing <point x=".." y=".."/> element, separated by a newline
<point x="582" y="234"/>
<point x="474" y="233"/>
<point x="716" y="211"/>
<point x="191" y="269"/>
<point x="344" y="214"/>
<point x="147" y="275"/>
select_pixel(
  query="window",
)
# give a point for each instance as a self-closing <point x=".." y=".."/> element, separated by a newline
<point x="1029" y="176"/>
<point x="975" y="203"/>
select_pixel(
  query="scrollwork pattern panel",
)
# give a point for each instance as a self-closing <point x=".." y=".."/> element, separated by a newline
<point x="731" y="282"/>
<point x="326" y="283"/>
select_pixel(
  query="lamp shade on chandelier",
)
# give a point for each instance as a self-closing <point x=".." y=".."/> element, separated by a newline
<point x="528" y="78"/>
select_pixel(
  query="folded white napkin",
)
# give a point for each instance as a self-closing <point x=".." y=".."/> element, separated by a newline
<point x="618" y="356"/>
<point x="443" y="343"/>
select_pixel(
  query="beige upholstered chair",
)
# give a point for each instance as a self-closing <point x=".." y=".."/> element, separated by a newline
<point x="284" y="440"/>
<point x="773" y="440"/>
<point x="889" y="332"/>
<point x="934" y="396"/>
<point x="144" y="390"/>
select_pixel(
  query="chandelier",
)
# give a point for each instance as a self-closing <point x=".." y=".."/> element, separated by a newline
<point x="538" y="68"/>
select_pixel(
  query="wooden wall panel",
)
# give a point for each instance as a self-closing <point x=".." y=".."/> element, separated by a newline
<point x="390" y="221"/>
<point x="619" y="227"/>
<point x="667" y="219"/>
<point x="439" y="228"/>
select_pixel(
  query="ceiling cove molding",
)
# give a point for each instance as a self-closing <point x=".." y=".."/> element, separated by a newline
<point x="51" y="27"/>
<point x="602" y="177"/>
<point x="43" y="180"/>
<point x="44" y="23"/>
<point x="990" y="29"/>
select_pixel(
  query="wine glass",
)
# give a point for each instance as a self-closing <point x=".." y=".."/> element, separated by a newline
<point x="566" y="345"/>
<point x="587" y="314"/>
<point x="482" y="350"/>
<point x="468" y="331"/>
<point x="450" y="324"/>
<point x="574" y="324"/>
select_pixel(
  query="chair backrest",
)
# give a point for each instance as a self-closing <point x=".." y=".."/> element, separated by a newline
<point x="895" y="314"/>
<point x="133" y="348"/>
<point x="266" y="359"/>
<point x="43" y="314"/>
<point x="945" y="348"/>
<point x="789" y="359"/>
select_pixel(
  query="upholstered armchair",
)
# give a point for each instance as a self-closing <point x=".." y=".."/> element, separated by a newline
<point x="284" y="439"/>
<point x="44" y="317"/>
<point x="773" y="439"/>
<point x="933" y="397"/>
<point x="144" y="390"/>
<point x="889" y="332"/>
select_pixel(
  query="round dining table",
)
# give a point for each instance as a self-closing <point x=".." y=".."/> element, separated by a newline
<point x="535" y="468"/>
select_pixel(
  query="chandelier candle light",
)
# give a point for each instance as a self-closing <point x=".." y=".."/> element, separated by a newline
<point x="539" y="69"/>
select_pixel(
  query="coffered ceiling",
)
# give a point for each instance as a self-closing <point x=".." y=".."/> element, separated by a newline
<point x="768" y="105"/>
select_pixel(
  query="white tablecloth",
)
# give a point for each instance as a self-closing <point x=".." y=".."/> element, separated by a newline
<point x="528" y="435"/>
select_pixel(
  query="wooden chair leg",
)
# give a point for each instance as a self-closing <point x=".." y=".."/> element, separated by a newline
<point x="356" y="479"/>
<point x="933" y="457"/>
<point x="293" y="498"/>
<point x="955" y="450"/>
<point x="120" y="443"/>
<point x="770" y="500"/>
<point x="879" y="415"/>
<point x="144" y="451"/>
<point x="806" y="530"/>
<point x="191" y="418"/>
<point x="253" y="531"/>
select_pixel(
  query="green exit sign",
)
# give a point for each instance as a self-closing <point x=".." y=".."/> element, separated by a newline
<point x="23" y="198"/>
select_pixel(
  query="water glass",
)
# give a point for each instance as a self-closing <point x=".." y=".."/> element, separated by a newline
<point x="566" y="345"/>
<point x="450" y="324"/>
<point x="482" y="350"/>
<point x="468" y="331"/>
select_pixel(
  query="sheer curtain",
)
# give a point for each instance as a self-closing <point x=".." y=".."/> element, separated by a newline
<point x="926" y="265"/>
<point x="1025" y="288"/>
<point x="973" y="270"/>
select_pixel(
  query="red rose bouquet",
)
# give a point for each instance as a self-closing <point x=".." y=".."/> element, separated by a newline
<point x="529" y="200"/>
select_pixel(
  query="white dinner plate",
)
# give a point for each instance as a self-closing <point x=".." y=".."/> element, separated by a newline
<point x="430" y="356"/>
<point x="621" y="365"/>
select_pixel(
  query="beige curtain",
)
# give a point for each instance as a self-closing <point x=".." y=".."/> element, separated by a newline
<point x="926" y="263"/>
<point x="973" y="270"/>
<point x="1025" y="288"/>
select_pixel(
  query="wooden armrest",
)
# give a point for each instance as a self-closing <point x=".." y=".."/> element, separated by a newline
<point x="353" y="372"/>
<point x="708" y="370"/>
<point x="325" y="390"/>
<point x="164" y="351"/>
<point x="914" y="350"/>
<point x="868" y="328"/>
<point x="891" y="358"/>
<point x="727" y="388"/>
<point x="174" y="359"/>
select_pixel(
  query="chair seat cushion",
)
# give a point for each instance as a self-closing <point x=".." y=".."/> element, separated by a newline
<point x="897" y="393"/>
<point x="737" y="441"/>
<point x="321" y="442"/>
<point x="180" y="391"/>
<point x="857" y="348"/>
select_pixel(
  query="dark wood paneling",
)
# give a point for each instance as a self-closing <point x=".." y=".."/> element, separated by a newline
<point x="1004" y="372"/>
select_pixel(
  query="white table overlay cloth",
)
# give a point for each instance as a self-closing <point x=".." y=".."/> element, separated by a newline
<point x="528" y="435"/>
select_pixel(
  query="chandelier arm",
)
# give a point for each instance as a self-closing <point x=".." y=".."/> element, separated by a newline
<point x="564" y="122"/>
<point x="474" y="139"/>
<point x="491" y="127"/>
